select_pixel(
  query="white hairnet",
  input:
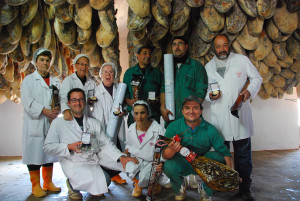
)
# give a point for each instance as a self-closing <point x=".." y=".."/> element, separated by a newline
<point x="114" y="67"/>
<point x="142" y="102"/>
<point x="38" y="52"/>
<point x="79" y="56"/>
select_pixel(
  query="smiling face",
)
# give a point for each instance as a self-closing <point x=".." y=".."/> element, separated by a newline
<point x="191" y="111"/>
<point x="179" y="48"/>
<point x="140" y="115"/>
<point x="43" y="65"/>
<point x="221" y="47"/>
<point x="77" y="103"/>
<point x="82" y="66"/>
<point x="144" y="57"/>
<point x="107" y="75"/>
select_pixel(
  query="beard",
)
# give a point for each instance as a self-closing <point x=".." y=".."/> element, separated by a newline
<point x="222" y="56"/>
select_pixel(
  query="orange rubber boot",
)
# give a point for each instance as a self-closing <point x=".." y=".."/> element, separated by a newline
<point x="135" y="181"/>
<point x="47" y="176"/>
<point x="37" y="190"/>
<point x="118" y="179"/>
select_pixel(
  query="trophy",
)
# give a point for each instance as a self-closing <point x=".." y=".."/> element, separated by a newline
<point x="55" y="97"/>
<point x="136" y="82"/>
<point x="91" y="97"/>
<point x="215" y="89"/>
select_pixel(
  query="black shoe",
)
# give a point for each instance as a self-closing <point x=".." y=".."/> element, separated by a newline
<point x="248" y="195"/>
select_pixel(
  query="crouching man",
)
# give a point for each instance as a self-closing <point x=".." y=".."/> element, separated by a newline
<point x="198" y="136"/>
<point x="82" y="146"/>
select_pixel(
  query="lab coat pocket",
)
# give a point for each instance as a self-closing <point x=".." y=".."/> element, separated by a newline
<point x="36" y="128"/>
<point x="189" y="82"/>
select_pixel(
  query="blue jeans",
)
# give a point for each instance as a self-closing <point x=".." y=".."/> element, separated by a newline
<point x="243" y="161"/>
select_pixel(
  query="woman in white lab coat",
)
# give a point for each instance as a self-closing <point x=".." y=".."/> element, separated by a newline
<point x="140" y="143"/>
<point x="105" y="93"/>
<point x="36" y="97"/>
<point x="79" y="79"/>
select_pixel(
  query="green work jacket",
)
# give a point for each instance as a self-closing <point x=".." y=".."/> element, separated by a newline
<point x="190" y="79"/>
<point x="201" y="139"/>
<point x="153" y="82"/>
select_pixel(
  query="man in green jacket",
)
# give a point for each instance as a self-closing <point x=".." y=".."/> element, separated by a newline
<point x="190" y="78"/>
<point x="149" y="81"/>
<point x="198" y="136"/>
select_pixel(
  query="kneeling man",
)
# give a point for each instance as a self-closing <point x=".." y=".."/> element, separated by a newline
<point x="198" y="136"/>
<point x="81" y="162"/>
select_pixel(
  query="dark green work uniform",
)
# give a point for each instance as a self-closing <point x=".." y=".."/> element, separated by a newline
<point x="200" y="140"/>
<point x="190" y="80"/>
<point x="153" y="81"/>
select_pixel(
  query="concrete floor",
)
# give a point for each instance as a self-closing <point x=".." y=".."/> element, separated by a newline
<point x="276" y="176"/>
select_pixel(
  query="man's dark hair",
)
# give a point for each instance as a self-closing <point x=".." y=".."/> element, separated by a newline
<point x="144" y="47"/>
<point x="75" y="90"/>
<point x="213" y="41"/>
<point x="181" y="38"/>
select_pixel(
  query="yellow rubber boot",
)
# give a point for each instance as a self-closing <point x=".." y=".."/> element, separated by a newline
<point x="137" y="191"/>
<point x="37" y="190"/>
<point x="47" y="176"/>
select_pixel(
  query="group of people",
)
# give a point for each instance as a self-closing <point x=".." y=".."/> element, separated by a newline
<point x="90" y="159"/>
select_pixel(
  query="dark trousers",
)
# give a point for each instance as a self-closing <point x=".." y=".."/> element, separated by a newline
<point x="243" y="161"/>
<point x="37" y="167"/>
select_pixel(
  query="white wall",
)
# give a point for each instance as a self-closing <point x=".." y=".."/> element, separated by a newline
<point x="276" y="123"/>
<point x="11" y="122"/>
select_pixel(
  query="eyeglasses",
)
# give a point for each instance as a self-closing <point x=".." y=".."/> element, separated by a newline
<point x="108" y="72"/>
<point x="74" y="100"/>
<point x="177" y="44"/>
<point x="82" y="64"/>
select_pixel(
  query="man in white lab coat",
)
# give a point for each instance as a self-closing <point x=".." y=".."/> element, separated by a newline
<point x="82" y="146"/>
<point x="79" y="79"/>
<point x="229" y="72"/>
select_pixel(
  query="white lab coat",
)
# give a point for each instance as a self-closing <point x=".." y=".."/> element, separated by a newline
<point x="82" y="169"/>
<point x="238" y="69"/>
<point x="102" y="110"/>
<point x="71" y="82"/>
<point x="143" y="152"/>
<point x="36" y="95"/>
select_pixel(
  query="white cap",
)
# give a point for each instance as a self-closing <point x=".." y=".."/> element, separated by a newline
<point x="114" y="67"/>
<point x="79" y="56"/>
<point x="142" y="102"/>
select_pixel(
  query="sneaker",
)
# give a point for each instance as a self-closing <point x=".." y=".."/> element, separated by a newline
<point x="181" y="195"/>
<point x="247" y="195"/>
<point x="167" y="184"/>
<point x="118" y="179"/>
<point x="204" y="196"/>
<point x="73" y="194"/>
<point x="192" y="183"/>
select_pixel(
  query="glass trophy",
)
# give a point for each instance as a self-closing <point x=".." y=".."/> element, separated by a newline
<point x="86" y="142"/>
<point x="215" y="89"/>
